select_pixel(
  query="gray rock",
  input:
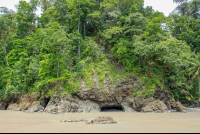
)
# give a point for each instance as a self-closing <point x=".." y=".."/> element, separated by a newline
<point x="156" y="106"/>
<point x="35" y="107"/>
<point x="101" y="120"/>
<point x="180" y="107"/>
<point x="51" y="109"/>
<point x="126" y="107"/>
<point x="14" y="107"/>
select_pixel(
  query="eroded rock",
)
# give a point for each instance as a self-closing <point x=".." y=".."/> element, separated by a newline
<point x="155" y="106"/>
<point x="66" y="104"/>
<point x="180" y="107"/>
<point x="35" y="107"/>
<point x="102" y="120"/>
<point x="14" y="107"/>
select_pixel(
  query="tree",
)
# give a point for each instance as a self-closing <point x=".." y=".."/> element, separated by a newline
<point x="7" y="26"/>
<point x="195" y="70"/>
<point x="26" y="18"/>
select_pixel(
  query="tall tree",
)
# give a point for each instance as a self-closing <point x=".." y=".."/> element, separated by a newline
<point x="7" y="26"/>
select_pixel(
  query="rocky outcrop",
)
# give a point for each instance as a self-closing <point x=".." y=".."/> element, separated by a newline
<point x="118" y="94"/>
<point x="170" y="102"/>
<point x="102" y="120"/>
<point x="23" y="103"/>
<point x="14" y="107"/>
<point x="180" y="107"/>
<point x="155" y="106"/>
<point x="35" y="107"/>
<point x="67" y="104"/>
<point x="74" y="120"/>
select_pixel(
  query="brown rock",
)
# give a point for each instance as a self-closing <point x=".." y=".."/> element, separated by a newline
<point x="156" y="106"/>
<point x="14" y="107"/>
<point x="102" y="120"/>
<point x="180" y="107"/>
<point x="35" y="107"/>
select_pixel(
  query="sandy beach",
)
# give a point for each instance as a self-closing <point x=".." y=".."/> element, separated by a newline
<point x="19" y="122"/>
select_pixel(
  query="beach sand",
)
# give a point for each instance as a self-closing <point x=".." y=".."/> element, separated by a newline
<point x="19" y="122"/>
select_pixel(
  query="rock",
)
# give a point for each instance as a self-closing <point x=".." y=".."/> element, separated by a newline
<point x="52" y="106"/>
<point x="73" y="120"/>
<point x="146" y="101"/>
<point x="156" y="106"/>
<point x="102" y="120"/>
<point x="67" y="104"/>
<point x="138" y="102"/>
<point x="3" y="105"/>
<point x="127" y="108"/>
<point x="51" y="109"/>
<point x="35" y="107"/>
<point x="22" y="104"/>
<point x="180" y="107"/>
<point x="14" y="107"/>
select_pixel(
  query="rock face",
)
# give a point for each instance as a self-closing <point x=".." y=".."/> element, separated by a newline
<point x="155" y="106"/>
<point x="180" y="107"/>
<point x="170" y="102"/>
<point x="117" y="94"/>
<point x="35" y="107"/>
<point x="67" y="104"/>
<point x="102" y="120"/>
<point x="23" y="104"/>
<point x="26" y="102"/>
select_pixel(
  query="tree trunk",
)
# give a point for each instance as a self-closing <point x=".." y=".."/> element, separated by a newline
<point x="4" y="49"/>
<point x="85" y="28"/>
<point x="118" y="5"/>
<point x="4" y="44"/>
<point x="164" y="73"/>
<point x="79" y="48"/>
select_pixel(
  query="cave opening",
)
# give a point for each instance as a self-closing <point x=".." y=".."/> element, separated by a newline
<point x="112" y="109"/>
<point x="46" y="100"/>
<point x="6" y="107"/>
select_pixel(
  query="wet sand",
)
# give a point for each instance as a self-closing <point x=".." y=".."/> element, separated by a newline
<point x="19" y="122"/>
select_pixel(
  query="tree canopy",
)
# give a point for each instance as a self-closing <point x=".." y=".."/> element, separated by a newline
<point x="73" y="40"/>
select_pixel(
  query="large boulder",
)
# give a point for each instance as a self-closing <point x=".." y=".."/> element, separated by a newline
<point x="35" y="107"/>
<point x="22" y="104"/>
<point x="155" y="106"/>
<point x="180" y="107"/>
<point x="127" y="107"/>
<point x="14" y="107"/>
<point x="67" y="104"/>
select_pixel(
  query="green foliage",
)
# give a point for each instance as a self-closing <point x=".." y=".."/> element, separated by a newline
<point x="77" y="41"/>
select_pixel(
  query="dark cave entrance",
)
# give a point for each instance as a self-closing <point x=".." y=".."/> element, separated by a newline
<point x="112" y="109"/>
<point x="6" y="106"/>
<point x="46" y="101"/>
